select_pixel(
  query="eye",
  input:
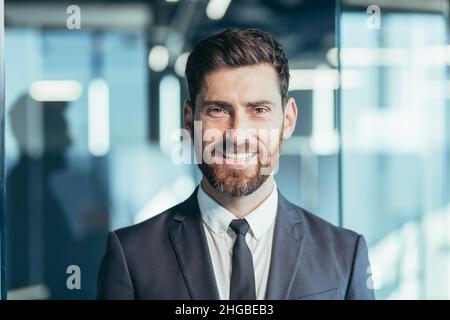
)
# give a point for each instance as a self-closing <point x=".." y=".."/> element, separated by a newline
<point x="261" y="109"/>
<point x="216" y="111"/>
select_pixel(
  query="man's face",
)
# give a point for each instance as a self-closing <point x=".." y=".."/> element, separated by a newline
<point x="243" y="126"/>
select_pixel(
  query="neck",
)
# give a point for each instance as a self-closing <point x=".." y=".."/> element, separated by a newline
<point x="241" y="206"/>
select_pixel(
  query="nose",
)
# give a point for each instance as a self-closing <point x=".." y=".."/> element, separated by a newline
<point x="239" y="125"/>
<point x="239" y="131"/>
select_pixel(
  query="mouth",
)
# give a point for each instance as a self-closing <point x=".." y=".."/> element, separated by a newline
<point x="240" y="160"/>
<point x="237" y="157"/>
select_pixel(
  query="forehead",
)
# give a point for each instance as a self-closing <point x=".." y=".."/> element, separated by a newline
<point x="247" y="83"/>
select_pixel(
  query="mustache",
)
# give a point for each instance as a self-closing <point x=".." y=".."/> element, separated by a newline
<point x="233" y="147"/>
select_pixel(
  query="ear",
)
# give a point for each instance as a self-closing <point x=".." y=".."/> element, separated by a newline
<point x="290" y="118"/>
<point x="189" y="117"/>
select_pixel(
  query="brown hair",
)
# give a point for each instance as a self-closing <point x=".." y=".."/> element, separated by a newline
<point x="236" y="48"/>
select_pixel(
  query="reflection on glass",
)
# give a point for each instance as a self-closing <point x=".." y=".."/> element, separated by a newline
<point x="37" y="224"/>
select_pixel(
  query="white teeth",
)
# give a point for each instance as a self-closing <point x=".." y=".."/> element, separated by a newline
<point x="239" y="156"/>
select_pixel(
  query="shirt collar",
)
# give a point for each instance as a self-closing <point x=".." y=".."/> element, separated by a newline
<point x="218" y="219"/>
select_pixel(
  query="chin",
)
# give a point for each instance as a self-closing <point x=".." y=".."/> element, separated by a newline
<point x="234" y="183"/>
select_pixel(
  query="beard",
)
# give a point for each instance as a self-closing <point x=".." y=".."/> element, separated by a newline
<point x="234" y="183"/>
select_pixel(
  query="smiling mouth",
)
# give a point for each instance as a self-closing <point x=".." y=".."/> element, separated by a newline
<point x="239" y="156"/>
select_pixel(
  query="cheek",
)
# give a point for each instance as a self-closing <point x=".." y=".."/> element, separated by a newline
<point x="270" y="139"/>
<point x="209" y="123"/>
<point x="274" y="122"/>
<point x="266" y="148"/>
<point x="271" y="146"/>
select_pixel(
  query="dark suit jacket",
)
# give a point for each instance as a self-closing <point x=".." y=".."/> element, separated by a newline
<point x="167" y="257"/>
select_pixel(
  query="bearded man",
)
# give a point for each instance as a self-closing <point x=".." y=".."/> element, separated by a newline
<point x="236" y="237"/>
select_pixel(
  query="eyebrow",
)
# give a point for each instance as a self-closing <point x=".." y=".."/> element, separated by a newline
<point x="228" y="105"/>
<point x="216" y="103"/>
<point x="261" y="102"/>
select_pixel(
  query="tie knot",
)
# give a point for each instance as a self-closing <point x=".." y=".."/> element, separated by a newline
<point x="240" y="226"/>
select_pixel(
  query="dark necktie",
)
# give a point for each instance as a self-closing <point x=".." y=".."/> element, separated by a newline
<point x="242" y="284"/>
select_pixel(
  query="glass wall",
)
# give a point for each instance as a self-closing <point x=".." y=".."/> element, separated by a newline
<point x="394" y="119"/>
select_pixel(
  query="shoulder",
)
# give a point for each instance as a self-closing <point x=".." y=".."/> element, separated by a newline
<point x="334" y="249"/>
<point x="322" y="236"/>
<point x="322" y="229"/>
<point x="334" y="254"/>
<point x="314" y="226"/>
<point x="150" y="230"/>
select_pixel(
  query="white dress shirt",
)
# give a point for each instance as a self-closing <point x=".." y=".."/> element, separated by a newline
<point x="220" y="238"/>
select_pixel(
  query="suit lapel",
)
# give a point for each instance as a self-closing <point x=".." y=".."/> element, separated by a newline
<point x="191" y="248"/>
<point x="286" y="249"/>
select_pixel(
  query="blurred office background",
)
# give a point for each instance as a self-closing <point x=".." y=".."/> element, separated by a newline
<point x="89" y="114"/>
